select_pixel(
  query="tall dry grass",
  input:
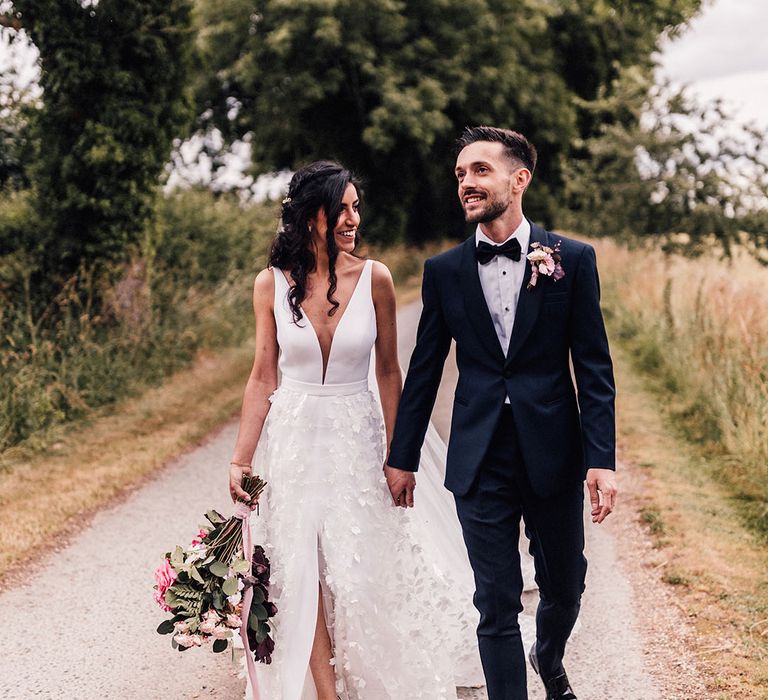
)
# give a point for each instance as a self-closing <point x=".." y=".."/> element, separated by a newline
<point x="700" y="325"/>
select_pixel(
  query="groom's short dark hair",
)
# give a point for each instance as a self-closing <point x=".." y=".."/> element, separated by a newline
<point x="516" y="146"/>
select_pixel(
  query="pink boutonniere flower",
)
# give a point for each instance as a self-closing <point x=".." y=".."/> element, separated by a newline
<point x="544" y="261"/>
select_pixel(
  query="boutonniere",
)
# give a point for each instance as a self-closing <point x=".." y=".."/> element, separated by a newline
<point x="545" y="261"/>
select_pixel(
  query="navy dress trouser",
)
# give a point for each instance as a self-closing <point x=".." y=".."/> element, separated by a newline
<point x="490" y="519"/>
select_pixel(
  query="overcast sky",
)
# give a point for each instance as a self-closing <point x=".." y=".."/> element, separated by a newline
<point x="724" y="53"/>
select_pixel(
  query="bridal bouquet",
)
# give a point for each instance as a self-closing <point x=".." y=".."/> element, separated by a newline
<point x="218" y="584"/>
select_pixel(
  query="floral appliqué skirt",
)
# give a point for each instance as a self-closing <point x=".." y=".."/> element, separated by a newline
<point x="328" y="524"/>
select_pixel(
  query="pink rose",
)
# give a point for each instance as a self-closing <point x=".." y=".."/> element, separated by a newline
<point x="160" y="600"/>
<point x="165" y="575"/>
<point x="201" y="535"/>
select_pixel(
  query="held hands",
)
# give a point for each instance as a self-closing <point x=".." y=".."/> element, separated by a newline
<point x="401" y="485"/>
<point x="602" y="492"/>
<point x="236" y="473"/>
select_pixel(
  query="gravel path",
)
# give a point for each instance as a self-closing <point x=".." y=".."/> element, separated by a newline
<point x="82" y="628"/>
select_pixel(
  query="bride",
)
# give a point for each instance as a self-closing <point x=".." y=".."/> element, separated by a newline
<point x="373" y="600"/>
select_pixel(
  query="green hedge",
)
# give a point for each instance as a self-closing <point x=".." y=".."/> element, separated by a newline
<point x="108" y="333"/>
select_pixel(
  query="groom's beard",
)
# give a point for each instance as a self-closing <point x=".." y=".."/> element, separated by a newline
<point x="493" y="209"/>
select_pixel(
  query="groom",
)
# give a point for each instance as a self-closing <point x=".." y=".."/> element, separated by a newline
<point x="522" y="440"/>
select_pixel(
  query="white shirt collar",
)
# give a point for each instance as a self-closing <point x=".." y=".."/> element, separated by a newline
<point x="522" y="233"/>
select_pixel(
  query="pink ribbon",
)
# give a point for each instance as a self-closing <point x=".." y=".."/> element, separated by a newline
<point x="243" y="512"/>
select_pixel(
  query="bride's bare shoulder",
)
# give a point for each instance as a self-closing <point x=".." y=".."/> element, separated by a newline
<point x="382" y="285"/>
<point x="380" y="272"/>
<point x="264" y="287"/>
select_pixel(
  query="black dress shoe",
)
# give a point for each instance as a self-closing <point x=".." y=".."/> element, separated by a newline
<point x="558" y="688"/>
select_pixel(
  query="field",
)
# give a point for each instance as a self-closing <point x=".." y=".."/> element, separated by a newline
<point x="699" y="327"/>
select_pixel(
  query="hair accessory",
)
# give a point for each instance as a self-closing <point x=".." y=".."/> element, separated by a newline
<point x="287" y="200"/>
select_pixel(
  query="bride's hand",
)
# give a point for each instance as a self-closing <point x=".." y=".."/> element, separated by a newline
<point x="401" y="485"/>
<point x="236" y="473"/>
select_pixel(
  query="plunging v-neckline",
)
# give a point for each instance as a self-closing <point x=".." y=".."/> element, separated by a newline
<point x="325" y="363"/>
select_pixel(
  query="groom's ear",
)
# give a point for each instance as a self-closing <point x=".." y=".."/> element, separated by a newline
<point x="521" y="178"/>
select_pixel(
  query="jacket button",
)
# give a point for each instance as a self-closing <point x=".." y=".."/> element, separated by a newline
<point x="507" y="373"/>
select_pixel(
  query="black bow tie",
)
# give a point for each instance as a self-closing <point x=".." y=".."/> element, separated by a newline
<point x="487" y="252"/>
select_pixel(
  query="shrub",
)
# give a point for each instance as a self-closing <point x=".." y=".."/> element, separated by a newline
<point x="186" y="288"/>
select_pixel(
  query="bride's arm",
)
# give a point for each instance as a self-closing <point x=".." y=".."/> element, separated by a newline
<point x="261" y="383"/>
<point x="389" y="378"/>
<point x="388" y="374"/>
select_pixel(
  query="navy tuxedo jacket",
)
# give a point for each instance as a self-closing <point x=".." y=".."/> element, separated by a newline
<point x="559" y="435"/>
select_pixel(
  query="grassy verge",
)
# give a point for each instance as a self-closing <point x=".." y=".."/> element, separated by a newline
<point x="708" y="546"/>
<point x="46" y="494"/>
<point x="86" y="463"/>
<point x="699" y="327"/>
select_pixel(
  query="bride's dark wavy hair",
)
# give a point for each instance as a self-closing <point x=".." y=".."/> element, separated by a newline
<point x="319" y="185"/>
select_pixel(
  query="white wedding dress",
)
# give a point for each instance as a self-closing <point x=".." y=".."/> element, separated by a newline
<point x="397" y="586"/>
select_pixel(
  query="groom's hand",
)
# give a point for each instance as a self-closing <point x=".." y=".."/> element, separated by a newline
<point x="401" y="485"/>
<point x="602" y="492"/>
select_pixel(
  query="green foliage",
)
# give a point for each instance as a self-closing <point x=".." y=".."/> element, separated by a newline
<point x="165" y="627"/>
<point x="16" y="105"/>
<point x="675" y="167"/>
<point x="113" y="76"/>
<point x="218" y="569"/>
<point x="71" y="356"/>
<point x="386" y="87"/>
<point x="19" y="224"/>
<point x="202" y="239"/>
<point x="229" y="586"/>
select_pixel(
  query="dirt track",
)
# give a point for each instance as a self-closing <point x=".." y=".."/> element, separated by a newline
<point x="83" y="625"/>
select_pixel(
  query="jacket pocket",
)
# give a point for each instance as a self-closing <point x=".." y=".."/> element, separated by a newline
<point x="557" y="399"/>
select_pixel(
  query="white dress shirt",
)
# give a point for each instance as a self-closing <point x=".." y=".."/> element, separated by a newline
<point x="501" y="280"/>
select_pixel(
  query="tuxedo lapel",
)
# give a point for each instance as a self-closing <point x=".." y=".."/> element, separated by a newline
<point x="529" y="302"/>
<point x="474" y="301"/>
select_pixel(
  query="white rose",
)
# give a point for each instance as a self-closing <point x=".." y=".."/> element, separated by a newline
<point x="184" y="640"/>
<point x="207" y="626"/>
<point x="221" y="632"/>
<point x="232" y="620"/>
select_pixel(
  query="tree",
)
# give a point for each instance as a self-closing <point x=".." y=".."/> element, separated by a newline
<point x="17" y="102"/>
<point x="677" y="167"/>
<point x="114" y="78"/>
<point x="386" y="86"/>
